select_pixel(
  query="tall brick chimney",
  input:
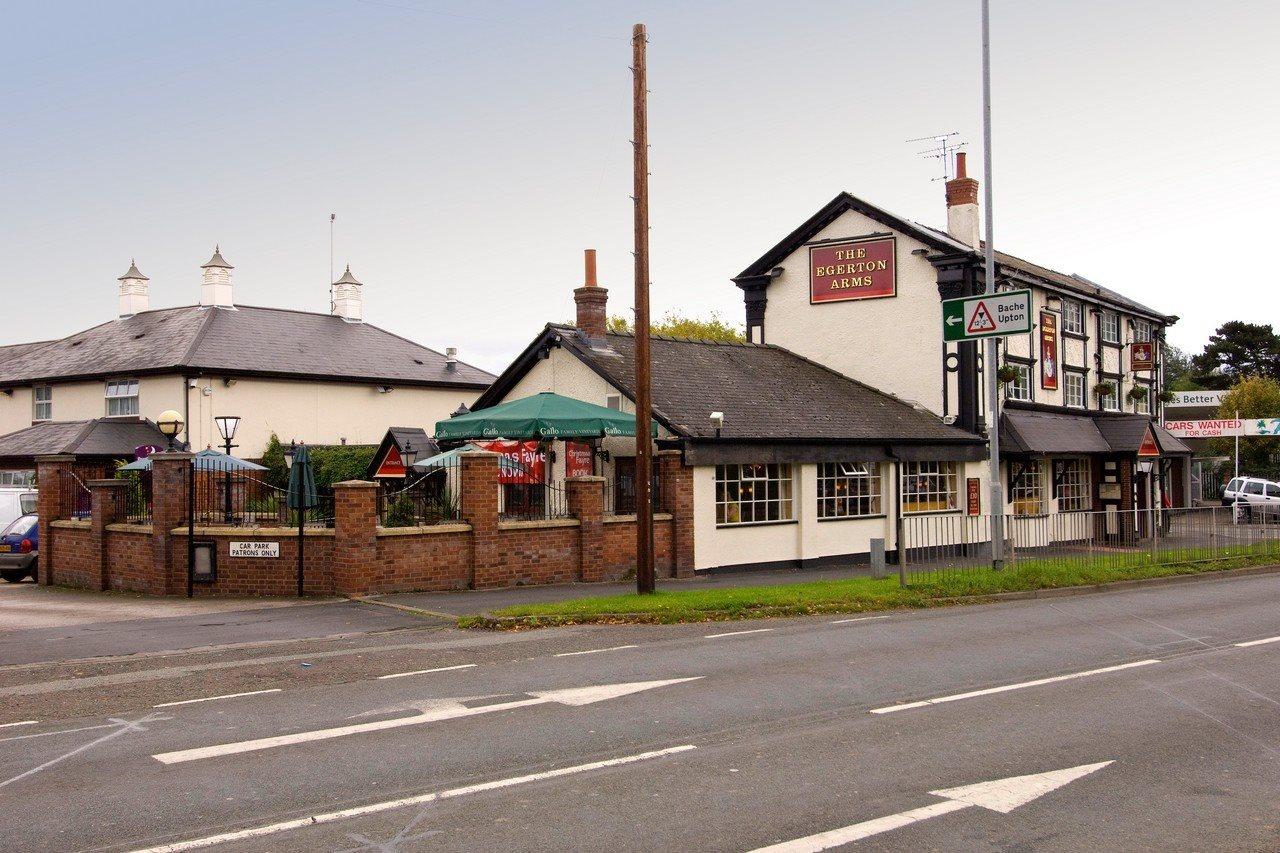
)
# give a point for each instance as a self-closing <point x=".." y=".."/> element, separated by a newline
<point x="592" y="301"/>
<point x="962" y="206"/>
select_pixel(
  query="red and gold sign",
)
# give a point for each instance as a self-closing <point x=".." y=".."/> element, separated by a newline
<point x="1048" y="350"/>
<point x="579" y="459"/>
<point x="853" y="269"/>
<point x="973" y="492"/>
<point x="530" y="461"/>
<point x="1142" y="356"/>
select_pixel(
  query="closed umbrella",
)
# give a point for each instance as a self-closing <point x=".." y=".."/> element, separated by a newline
<point x="302" y="481"/>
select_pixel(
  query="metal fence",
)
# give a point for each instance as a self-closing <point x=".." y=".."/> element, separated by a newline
<point x="133" y="501"/>
<point x="532" y="501"/>
<point x="432" y="498"/>
<point x="620" y="494"/>
<point x="226" y="497"/>
<point x="942" y="547"/>
<point x="74" y="500"/>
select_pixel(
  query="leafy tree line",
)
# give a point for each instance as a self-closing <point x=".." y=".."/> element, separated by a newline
<point x="332" y="463"/>
<point x="675" y="325"/>
<point x="1236" y="351"/>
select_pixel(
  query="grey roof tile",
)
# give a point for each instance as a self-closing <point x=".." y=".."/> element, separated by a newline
<point x="101" y="437"/>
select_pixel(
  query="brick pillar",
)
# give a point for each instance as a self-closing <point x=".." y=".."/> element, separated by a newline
<point x="480" y="509"/>
<point x="49" y="470"/>
<point x="103" y="499"/>
<point x="586" y="503"/>
<point x="169" y="477"/>
<point x="677" y="499"/>
<point x="355" y="537"/>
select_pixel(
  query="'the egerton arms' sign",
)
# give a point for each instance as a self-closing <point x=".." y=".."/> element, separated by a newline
<point x="852" y="269"/>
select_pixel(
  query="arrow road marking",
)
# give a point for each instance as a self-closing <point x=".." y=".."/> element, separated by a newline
<point x="374" y="808"/>
<point x="445" y="709"/>
<point x="998" y="795"/>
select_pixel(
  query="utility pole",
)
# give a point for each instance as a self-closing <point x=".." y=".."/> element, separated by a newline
<point x="644" y="441"/>
<point x="993" y="344"/>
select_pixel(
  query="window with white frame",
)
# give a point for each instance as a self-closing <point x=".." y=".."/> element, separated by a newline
<point x="613" y="401"/>
<point x="1142" y="400"/>
<point x="930" y="486"/>
<point x="42" y="403"/>
<point x="122" y="397"/>
<point x="753" y="494"/>
<point x="1072" y="482"/>
<point x="1073" y="389"/>
<point x="17" y="478"/>
<point x="1141" y="330"/>
<point x="1110" y="323"/>
<point x="1020" y="387"/>
<point x="1111" y="401"/>
<point x="1072" y="317"/>
<point x="1027" y="489"/>
<point x="849" y="489"/>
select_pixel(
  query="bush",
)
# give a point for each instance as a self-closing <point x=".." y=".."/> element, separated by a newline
<point x="400" y="513"/>
<point x="332" y="463"/>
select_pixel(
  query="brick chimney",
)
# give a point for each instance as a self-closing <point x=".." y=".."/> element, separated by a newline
<point x="962" y="206"/>
<point x="592" y="300"/>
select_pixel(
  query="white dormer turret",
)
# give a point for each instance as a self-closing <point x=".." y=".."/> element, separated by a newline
<point x="135" y="293"/>
<point x="346" y="298"/>
<point x="215" y="290"/>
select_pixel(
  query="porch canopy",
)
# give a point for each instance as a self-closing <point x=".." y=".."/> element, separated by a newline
<point x="206" y="460"/>
<point x="543" y="416"/>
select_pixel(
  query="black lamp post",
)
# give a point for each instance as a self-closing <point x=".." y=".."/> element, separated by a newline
<point x="408" y="456"/>
<point x="227" y="429"/>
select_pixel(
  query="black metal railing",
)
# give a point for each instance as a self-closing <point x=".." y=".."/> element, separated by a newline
<point x="228" y="497"/>
<point x="533" y="501"/>
<point x="432" y="497"/>
<point x="133" y="500"/>
<point x="620" y="493"/>
<point x="74" y="500"/>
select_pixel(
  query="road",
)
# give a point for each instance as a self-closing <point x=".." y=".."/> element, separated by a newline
<point x="1147" y="719"/>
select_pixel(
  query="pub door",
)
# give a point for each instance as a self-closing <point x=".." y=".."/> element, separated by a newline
<point x="624" y="485"/>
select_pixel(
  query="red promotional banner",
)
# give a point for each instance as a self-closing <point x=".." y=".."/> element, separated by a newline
<point x="1048" y="350"/>
<point x="855" y="269"/>
<point x="579" y="458"/>
<point x="1142" y="356"/>
<point x="530" y="460"/>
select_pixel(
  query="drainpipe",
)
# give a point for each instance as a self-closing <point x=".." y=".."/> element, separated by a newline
<point x="186" y="410"/>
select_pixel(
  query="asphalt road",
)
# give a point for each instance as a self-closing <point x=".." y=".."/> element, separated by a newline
<point x="1160" y="706"/>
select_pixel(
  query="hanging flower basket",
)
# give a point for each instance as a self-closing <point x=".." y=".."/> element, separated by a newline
<point x="1166" y="397"/>
<point x="1137" y="393"/>
<point x="1104" y="389"/>
<point x="1006" y="373"/>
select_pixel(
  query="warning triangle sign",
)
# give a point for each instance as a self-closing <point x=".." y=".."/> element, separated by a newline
<point x="1148" y="446"/>
<point x="981" y="320"/>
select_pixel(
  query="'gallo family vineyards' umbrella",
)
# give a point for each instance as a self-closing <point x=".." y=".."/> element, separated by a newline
<point x="543" y="416"/>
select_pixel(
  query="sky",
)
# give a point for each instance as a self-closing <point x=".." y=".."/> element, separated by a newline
<point x="471" y="151"/>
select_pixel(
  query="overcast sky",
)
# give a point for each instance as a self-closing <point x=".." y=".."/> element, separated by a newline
<point x="471" y="151"/>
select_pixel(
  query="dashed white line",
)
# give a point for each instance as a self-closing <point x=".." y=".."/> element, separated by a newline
<point x="1007" y="687"/>
<point x="374" y="808"/>
<point x="1258" y="642"/>
<point x="859" y="619"/>
<point x="594" y="651"/>
<point x="22" y="723"/>
<point x="736" y="633"/>
<point x="215" y="698"/>
<point x="425" y="671"/>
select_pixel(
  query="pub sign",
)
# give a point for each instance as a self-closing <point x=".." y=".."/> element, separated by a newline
<point x="1142" y="356"/>
<point x="853" y="269"/>
<point x="1048" y="350"/>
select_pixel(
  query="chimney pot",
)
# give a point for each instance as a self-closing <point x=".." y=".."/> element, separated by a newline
<point x="589" y="257"/>
<point x="960" y="160"/>
<point x="962" y="205"/>
<point x="592" y="301"/>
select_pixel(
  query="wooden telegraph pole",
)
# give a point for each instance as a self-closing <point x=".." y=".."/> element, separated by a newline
<point x="644" y="441"/>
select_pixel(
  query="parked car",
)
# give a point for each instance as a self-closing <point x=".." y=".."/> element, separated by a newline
<point x="20" y="549"/>
<point x="1255" y="495"/>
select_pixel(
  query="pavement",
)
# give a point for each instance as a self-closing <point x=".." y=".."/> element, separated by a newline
<point x="1146" y="719"/>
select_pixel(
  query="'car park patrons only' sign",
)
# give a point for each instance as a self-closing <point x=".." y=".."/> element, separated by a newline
<point x="852" y="269"/>
<point x="991" y="315"/>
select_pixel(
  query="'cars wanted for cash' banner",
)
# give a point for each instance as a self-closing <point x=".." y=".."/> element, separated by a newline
<point x="531" y="461"/>
<point x="853" y="269"/>
<point x="1048" y="350"/>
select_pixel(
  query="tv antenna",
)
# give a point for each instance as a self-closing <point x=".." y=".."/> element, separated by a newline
<point x="944" y="150"/>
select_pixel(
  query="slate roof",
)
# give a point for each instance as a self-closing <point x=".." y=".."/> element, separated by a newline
<point x="940" y="241"/>
<point x="244" y="341"/>
<point x="423" y="443"/>
<point x="1041" y="433"/>
<point x="100" y="437"/>
<point x="765" y="392"/>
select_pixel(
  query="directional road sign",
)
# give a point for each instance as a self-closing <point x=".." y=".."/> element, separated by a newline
<point x="991" y="315"/>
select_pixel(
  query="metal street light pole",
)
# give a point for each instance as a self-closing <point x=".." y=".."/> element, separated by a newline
<point x="227" y="425"/>
<point x="993" y="344"/>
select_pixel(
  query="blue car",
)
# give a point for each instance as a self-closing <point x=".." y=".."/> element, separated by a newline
<point x="19" y="549"/>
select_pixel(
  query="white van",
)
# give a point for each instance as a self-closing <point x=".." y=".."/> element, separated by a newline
<point x="1253" y="493"/>
<point x="16" y="502"/>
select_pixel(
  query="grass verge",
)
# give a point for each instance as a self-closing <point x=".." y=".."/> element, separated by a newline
<point x="849" y="595"/>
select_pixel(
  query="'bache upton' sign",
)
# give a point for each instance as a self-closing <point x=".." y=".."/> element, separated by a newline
<point x="852" y="269"/>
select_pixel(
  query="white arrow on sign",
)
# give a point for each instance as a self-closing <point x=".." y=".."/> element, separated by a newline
<point x="998" y="795"/>
<point x="951" y="321"/>
<point x="445" y="709"/>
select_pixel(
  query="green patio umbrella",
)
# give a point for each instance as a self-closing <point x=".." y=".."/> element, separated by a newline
<point x="543" y="416"/>
<point x="302" y="480"/>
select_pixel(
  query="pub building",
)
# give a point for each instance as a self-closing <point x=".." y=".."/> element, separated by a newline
<point x="845" y="411"/>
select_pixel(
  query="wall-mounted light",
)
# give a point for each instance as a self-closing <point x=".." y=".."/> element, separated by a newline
<point x="228" y="381"/>
<point x="384" y="389"/>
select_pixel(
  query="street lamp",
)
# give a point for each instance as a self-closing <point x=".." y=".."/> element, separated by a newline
<point x="288" y="455"/>
<point x="227" y="429"/>
<point x="170" y="424"/>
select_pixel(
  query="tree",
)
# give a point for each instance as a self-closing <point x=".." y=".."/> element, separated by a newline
<point x="1253" y="397"/>
<point x="1237" y="350"/>
<point x="675" y="325"/>
<point x="1178" y="374"/>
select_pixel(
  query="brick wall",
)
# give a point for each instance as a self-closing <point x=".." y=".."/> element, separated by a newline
<point x="72" y="551"/>
<point x="422" y="559"/>
<point x="129" y="566"/>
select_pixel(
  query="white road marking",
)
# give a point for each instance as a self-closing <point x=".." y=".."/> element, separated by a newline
<point x="955" y="697"/>
<point x="23" y="723"/>
<point x="121" y="726"/>
<point x="594" y="651"/>
<point x="215" y="698"/>
<point x="736" y="633"/>
<point x="445" y="709"/>
<point x="425" y="671"/>
<point x="998" y="795"/>
<point x="1258" y="642"/>
<point x="859" y="619"/>
<point x="374" y="808"/>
